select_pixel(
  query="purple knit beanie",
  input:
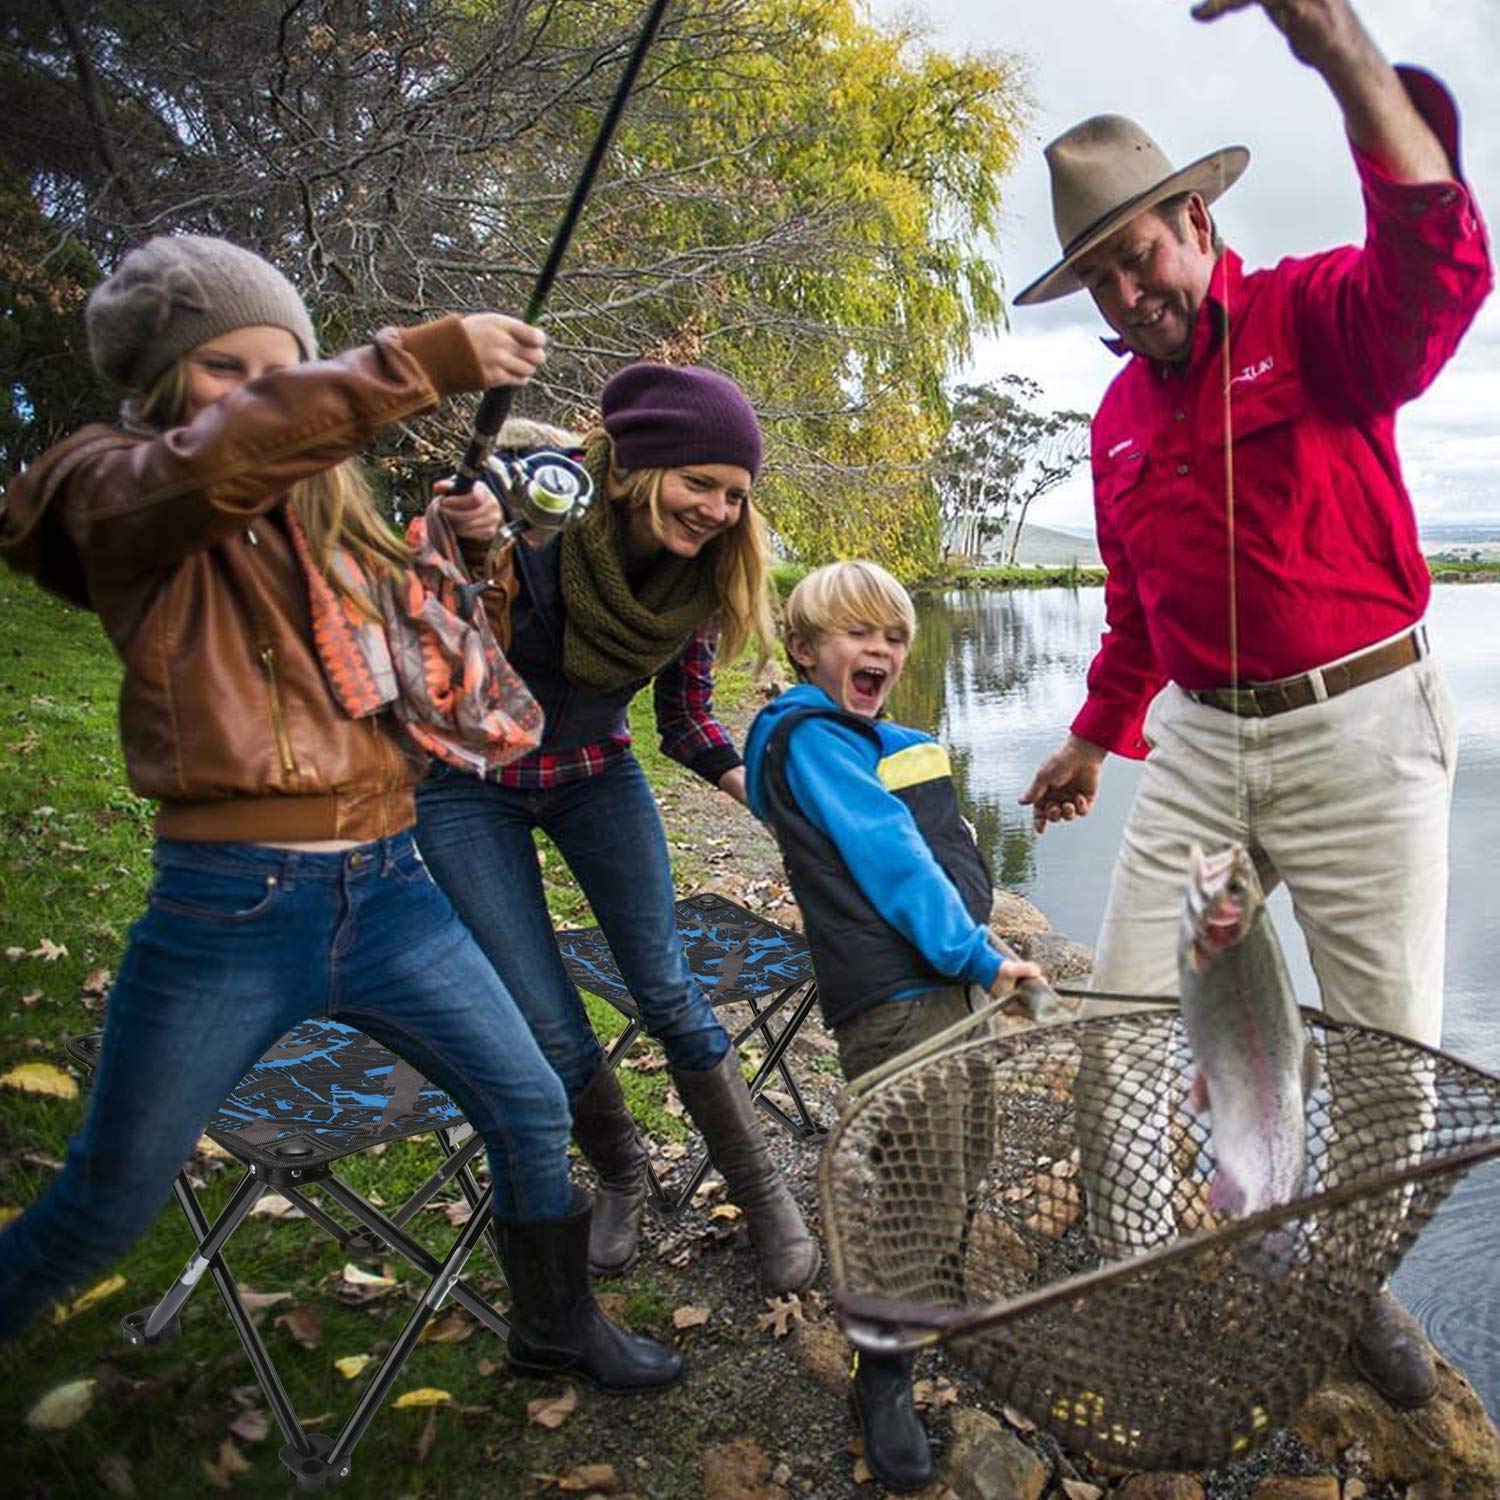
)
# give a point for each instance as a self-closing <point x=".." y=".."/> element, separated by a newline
<point x="664" y="416"/>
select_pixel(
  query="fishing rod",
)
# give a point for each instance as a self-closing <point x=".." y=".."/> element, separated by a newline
<point x="552" y="493"/>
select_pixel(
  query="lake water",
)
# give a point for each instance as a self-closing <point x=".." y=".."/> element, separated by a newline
<point x="997" y="676"/>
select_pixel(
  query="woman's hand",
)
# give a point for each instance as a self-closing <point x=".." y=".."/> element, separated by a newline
<point x="732" y="784"/>
<point x="474" y="515"/>
<point x="509" y="351"/>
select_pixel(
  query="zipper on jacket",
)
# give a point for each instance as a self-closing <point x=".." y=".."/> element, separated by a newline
<point x="278" y="718"/>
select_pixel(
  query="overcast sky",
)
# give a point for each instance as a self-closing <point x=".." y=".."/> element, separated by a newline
<point x="1196" y="87"/>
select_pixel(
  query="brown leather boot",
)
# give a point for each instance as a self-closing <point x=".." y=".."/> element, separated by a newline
<point x="1392" y="1354"/>
<point x="606" y="1134"/>
<point x="722" y="1109"/>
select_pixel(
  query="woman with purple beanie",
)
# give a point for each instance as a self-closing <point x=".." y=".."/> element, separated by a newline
<point x="668" y="568"/>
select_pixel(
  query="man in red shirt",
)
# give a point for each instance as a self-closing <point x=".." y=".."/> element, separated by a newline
<point x="1266" y="588"/>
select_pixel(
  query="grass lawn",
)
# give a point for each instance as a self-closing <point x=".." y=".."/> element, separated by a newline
<point x="74" y="867"/>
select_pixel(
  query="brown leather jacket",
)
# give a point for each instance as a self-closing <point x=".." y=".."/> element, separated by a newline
<point x="178" y="541"/>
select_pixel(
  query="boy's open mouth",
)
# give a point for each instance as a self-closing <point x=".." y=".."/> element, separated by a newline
<point x="868" y="681"/>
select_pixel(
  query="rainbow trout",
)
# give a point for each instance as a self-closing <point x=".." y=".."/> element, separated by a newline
<point x="1254" y="1062"/>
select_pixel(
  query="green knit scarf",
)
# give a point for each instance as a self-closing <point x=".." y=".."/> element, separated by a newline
<point x="618" y="632"/>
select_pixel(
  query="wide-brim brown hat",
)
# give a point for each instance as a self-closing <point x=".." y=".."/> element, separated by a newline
<point x="1107" y="170"/>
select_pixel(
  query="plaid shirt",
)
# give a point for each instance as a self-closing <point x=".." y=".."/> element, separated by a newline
<point x="690" y="734"/>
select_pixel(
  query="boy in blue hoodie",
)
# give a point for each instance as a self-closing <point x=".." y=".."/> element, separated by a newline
<point x="894" y="892"/>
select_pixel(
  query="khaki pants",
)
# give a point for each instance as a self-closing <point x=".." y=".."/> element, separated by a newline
<point x="949" y="1116"/>
<point x="1347" y="801"/>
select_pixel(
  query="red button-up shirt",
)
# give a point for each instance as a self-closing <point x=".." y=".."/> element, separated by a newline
<point x="1323" y="351"/>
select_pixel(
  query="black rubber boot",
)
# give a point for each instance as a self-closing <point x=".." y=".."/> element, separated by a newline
<point x="607" y="1136"/>
<point x="721" y="1107"/>
<point x="896" y="1447"/>
<point x="1390" y="1352"/>
<point x="556" y="1327"/>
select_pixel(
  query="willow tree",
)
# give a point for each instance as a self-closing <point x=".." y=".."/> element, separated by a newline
<point x="799" y="194"/>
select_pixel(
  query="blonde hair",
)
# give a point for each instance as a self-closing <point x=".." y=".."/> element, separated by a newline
<point x="843" y="594"/>
<point x="740" y="555"/>
<point x="336" y="507"/>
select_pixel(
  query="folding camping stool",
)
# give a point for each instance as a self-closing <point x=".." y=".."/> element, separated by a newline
<point x="323" y="1092"/>
<point x="735" y="956"/>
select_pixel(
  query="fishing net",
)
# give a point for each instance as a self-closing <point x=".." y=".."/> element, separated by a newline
<point x="1038" y="1203"/>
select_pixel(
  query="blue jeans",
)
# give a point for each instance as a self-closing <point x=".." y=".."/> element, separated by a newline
<point x="477" y="838"/>
<point x="238" y="944"/>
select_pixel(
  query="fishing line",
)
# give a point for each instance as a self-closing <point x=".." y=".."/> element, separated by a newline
<point x="1241" y="796"/>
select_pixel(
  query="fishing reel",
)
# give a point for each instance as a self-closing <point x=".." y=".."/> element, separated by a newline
<point x="542" y="490"/>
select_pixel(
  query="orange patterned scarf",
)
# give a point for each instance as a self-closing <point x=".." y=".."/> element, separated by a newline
<point x="446" y="680"/>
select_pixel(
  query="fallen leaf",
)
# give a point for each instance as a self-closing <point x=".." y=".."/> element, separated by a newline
<point x="211" y="1149"/>
<point x="1020" y="1422"/>
<point x="15" y="955"/>
<point x="303" y="1324"/>
<point x="49" y="952"/>
<point x="231" y="1462"/>
<point x="611" y="1304"/>
<point x="95" y="1294"/>
<point x="784" y="1311"/>
<point x="61" y="1407"/>
<point x="1076" y="1489"/>
<point x="40" y="1078"/>
<point x="259" y="1301"/>
<point x="451" y="1326"/>
<point x="358" y="1276"/>
<point x="488" y="1367"/>
<point x="274" y="1206"/>
<point x="31" y="999"/>
<point x="429" y="1436"/>
<point x="458" y="1214"/>
<point x="424" y="1395"/>
<point x="115" y="1476"/>
<point x="351" y="1365"/>
<point x="727" y="1211"/>
<point x="586" y="1477"/>
<point x="862" y="1474"/>
<point x="690" y="1317"/>
<point x="251" y="1426"/>
<point x="96" y="983"/>
<point x="552" y="1411"/>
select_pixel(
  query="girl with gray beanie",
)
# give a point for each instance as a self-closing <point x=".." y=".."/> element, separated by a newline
<point x="668" y="568"/>
<point x="229" y="546"/>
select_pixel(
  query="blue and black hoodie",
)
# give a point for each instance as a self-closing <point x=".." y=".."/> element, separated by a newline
<point x="895" y="894"/>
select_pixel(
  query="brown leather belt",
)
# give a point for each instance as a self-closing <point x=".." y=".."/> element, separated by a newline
<point x="1260" y="700"/>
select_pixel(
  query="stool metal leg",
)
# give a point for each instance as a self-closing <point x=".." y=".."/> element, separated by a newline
<point x="299" y="1441"/>
<point x="161" y="1320"/>
<point x="468" y="1185"/>
<point x="418" y="1255"/>
<point x="622" y="1044"/>
<point x="807" y="1127"/>
<point x="337" y="1463"/>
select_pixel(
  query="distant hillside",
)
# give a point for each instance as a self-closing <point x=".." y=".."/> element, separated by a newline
<point x="1050" y="548"/>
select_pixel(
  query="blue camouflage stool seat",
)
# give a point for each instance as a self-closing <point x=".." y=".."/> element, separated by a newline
<point x="735" y="956"/>
<point x="323" y="1092"/>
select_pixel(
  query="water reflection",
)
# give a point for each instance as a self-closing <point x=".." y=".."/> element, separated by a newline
<point x="998" y="676"/>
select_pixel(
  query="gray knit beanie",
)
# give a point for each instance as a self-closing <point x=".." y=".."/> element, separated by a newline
<point x="178" y="291"/>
